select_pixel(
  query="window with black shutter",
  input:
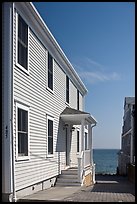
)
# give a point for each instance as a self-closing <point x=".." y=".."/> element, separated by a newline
<point x="50" y="71"/>
<point x="67" y="89"/>
<point x="22" y="132"/>
<point x="22" y="43"/>
<point x="50" y="136"/>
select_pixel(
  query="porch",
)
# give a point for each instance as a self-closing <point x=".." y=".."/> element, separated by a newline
<point x="72" y="119"/>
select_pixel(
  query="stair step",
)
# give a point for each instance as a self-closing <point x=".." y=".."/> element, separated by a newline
<point x="68" y="176"/>
<point x="69" y="171"/>
<point x="68" y="184"/>
<point x="67" y="180"/>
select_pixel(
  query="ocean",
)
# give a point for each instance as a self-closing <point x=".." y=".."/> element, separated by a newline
<point x="106" y="161"/>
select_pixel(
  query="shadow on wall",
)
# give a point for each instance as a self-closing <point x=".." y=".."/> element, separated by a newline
<point x="61" y="141"/>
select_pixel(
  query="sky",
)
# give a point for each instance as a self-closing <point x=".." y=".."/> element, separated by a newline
<point x="98" y="38"/>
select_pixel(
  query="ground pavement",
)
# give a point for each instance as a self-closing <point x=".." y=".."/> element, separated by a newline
<point x="108" y="188"/>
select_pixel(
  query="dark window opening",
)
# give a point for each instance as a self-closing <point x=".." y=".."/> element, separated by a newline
<point x="67" y="89"/>
<point x="50" y="136"/>
<point x="22" y="43"/>
<point x="50" y="71"/>
<point x="22" y="132"/>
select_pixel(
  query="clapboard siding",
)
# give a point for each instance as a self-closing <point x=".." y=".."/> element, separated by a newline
<point x="81" y="102"/>
<point x="31" y="89"/>
<point x="73" y="95"/>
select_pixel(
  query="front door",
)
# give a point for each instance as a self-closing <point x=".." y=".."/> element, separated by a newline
<point x="67" y="147"/>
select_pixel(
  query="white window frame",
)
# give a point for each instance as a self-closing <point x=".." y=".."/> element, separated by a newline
<point x="48" y="88"/>
<point x="26" y="108"/>
<point x="17" y="64"/>
<point x="52" y="119"/>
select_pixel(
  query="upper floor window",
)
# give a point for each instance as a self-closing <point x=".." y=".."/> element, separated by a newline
<point x="50" y="134"/>
<point x="50" y="71"/>
<point x="22" y="56"/>
<point x="22" y="130"/>
<point x="67" y="89"/>
<point x="78" y="99"/>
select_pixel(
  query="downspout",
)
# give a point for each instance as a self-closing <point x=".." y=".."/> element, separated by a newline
<point x="91" y="139"/>
<point x="12" y="108"/>
<point x="93" y="164"/>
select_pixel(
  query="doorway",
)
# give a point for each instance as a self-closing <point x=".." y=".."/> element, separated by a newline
<point x="67" y="148"/>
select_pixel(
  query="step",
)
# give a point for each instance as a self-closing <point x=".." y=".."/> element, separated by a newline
<point x="67" y="180"/>
<point x="68" y="176"/>
<point x="69" y="171"/>
<point x="68" y="184"/>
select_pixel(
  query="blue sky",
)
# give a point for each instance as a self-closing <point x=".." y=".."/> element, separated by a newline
<point x="98" y="38"/>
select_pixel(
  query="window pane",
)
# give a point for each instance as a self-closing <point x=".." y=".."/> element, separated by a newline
<point x="50" y="71"/>
<point x="50" y="137"/>
<point x="50" y="145"/>
<point x="22" y="42"/>
<point x="23" y="144"/>
<point x="22" y="120"/>
<point x="50" y="81"/>
<point x="50" y="128"/>
<point x="67" y="89"/>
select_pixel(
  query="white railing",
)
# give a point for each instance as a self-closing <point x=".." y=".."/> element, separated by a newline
<point x="80" y="166"/>
<point x="93" y="172"/>
<point x="87" y="158"/>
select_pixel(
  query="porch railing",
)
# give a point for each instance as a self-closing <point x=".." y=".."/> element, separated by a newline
<point x="87" y="158"/>
<point x="80" y="166"/>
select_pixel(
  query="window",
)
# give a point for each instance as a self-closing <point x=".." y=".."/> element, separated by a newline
<point x="86" y="141"/>
<point x="67" y="89"/>
<point x="22" y="130"/>
<point x="77" y="141"/>
<point x="77" y="99"/>
<point x="50" y="135"/>
<point x="22" y="56"/>
<point x="50" y="71"/>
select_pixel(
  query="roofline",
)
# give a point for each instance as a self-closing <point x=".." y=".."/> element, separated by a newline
<point x="58" y="47"/>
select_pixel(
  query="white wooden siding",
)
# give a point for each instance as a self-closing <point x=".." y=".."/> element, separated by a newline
<point x="81" y="102"/>
<point x="32" y="90"/>
<point x="73" y="95"/>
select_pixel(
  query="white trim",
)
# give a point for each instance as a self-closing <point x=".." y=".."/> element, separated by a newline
<point x="48" y="88"/>
<point x="18" y="158"/>
<point x="52" y="119"/>
<point x="17" y="64"/>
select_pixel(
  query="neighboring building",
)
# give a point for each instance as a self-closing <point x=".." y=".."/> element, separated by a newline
<point x="44" y="127"/>
<point x="126" y="155"/>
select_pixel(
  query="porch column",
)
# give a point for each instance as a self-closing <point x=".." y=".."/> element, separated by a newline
<point x="81" y="156"/>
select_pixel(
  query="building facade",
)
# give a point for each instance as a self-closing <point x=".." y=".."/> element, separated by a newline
<point x="44" y="127"/>
<point x="126" y="155"/>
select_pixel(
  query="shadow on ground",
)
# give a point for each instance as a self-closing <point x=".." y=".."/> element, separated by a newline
<point x="113" y="184"/>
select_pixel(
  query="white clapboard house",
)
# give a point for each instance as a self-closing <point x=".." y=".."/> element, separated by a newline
<point x="46" y="135"/>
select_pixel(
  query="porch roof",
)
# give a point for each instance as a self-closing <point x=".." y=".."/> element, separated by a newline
<point x="75" y="117"/>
